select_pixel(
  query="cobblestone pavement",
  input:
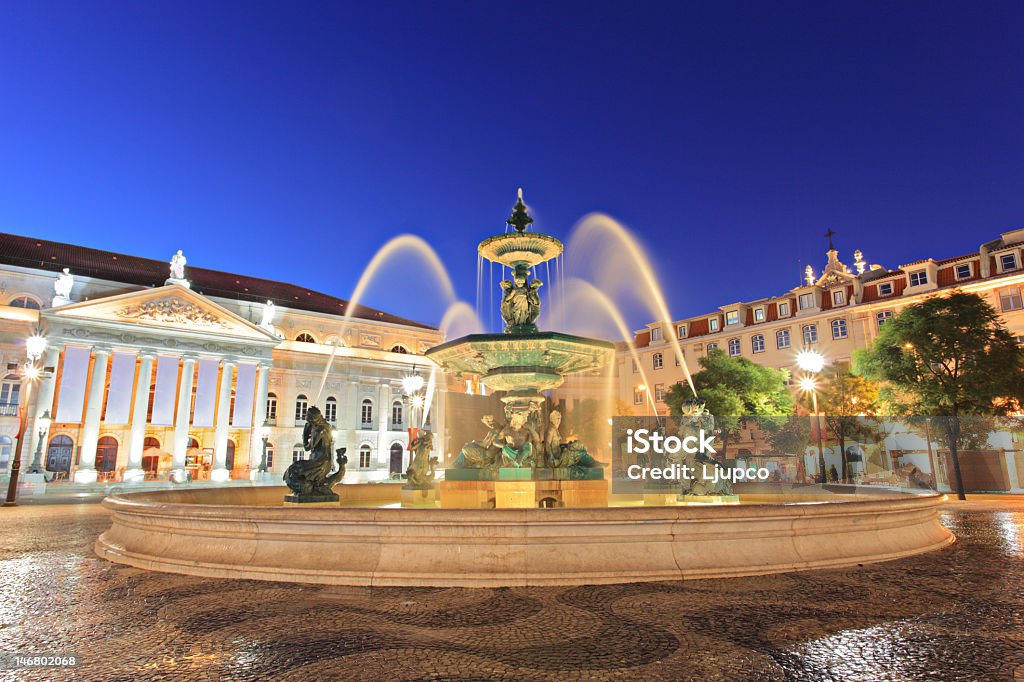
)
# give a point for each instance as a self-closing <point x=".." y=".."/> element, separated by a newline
<point x="957" y="614"/>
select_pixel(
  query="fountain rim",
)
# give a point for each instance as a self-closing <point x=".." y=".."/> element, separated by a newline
<point x="556" y="245"/>
<point x="531" y="336"/>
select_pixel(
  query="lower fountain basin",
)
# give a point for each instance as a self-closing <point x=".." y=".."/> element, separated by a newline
<point x="248" y="533"/>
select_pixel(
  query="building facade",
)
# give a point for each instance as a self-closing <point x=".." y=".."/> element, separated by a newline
<point x="835" y="312"/>
<point x="154" y="370"/>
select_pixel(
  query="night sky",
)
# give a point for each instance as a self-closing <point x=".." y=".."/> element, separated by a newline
<point x="291" y="140"/>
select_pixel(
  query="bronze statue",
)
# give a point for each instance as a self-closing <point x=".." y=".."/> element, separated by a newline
<point x="480" y="454"/>
<point x="520" y="305"/>
<point x="422" y="467"/>
<point x="520" y="437"/>
<point x="311" y="479"/>
<point x="568" y="453"/>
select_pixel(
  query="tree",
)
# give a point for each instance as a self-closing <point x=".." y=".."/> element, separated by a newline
<point x="947" y="358"/>
<point x="848" y="401"/>
<point x="734" y="390"/>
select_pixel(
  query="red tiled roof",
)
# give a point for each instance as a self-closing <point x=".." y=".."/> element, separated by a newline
<point x="144" y="272"/>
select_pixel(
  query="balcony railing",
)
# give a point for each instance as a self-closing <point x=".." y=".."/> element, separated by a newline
<point x="8" y="409"/>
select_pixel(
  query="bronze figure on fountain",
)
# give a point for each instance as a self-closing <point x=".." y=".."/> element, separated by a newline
<point x="311" y="479"/>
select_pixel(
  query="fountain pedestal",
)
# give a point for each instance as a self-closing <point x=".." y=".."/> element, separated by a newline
<point x="419" y="496"/>
<point x="520" y="494"/>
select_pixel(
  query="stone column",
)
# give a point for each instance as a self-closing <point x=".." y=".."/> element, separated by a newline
<point x="86" y="471"/>
<point x="183" y="417"/>
<point x="383" y="425"/>
<point x="259" y="415"/>
<point x="44" y="403"/>
<point x="220" y="437"/>
<point x="140" y="408"/>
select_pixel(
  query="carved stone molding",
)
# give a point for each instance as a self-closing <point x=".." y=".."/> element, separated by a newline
<point x="171" y="310"/>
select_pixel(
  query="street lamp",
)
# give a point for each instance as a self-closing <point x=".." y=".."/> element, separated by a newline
<point x="812" y="362"/>
<point x="35" y="346"/>
<point x="37" y="460"/>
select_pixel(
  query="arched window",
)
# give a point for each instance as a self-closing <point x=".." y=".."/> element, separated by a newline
<point x="366" y="413"/>
<point x="23" y="301"/>
<point x="229" y="459"/>
<point x="272" y="407"/>
<point x="838" y="329"/>
<point x="305" y="337"/>
<point x="10" y="392"/>
<point x="150" y="455"/>
<point x="396" y="458"/>
<point x="810" y="333"/>
<point x="396" y="413"/>
<point x="58" y="454"/>
<point x="106" y="454"/>
<point x="399" y="349"/>
<point x="297" y="452"/>
<point x="331" y="410"/>
<point x="301" y="407"/>
<point x="5" y="452"/>
<point x="364" y="455"/>
<point x="193" y="443"/>
<point x="659" y="361"/>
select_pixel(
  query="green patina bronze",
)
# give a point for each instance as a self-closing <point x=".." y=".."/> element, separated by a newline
<point x="521" y="363"/>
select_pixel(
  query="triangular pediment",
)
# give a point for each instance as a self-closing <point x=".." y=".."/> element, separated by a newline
<point x="170" y="307"/>
<point x="836" y="277"/>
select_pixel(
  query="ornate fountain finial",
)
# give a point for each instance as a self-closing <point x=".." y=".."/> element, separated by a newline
<point x="519" y="218"/>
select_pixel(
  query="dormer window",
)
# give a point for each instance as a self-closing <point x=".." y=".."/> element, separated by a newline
<point x="806" y="301"/>
<point x="1008" y="261"/>
<point x="713" y="324"/>
<point x="784" y="309"/>
<point x="759" y="314"/>
<point x="656" y="334"/>
<point x="963" y="271"/>
<point x="839" y="297"/>
<point x="681" y="331"/>
<point x="732" y="317"/>
<point x="885" y="289"/>
<point x="918" y="277"/>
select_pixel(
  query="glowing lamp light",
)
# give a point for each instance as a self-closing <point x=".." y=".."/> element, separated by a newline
<point x="417" y="402"/>
<point x="35" y="346"/>
<point x="31" y="372"/>
<point x="412" y="383"/>
<point x="810" y="361"/>
<point x="44" y="422"/>
<point x="808" y="384"/>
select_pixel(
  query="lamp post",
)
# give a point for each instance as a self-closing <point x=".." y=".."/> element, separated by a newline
<point x="812" y="362"/>
<point x="35" y="345"/>
<point x="37" y="459"/>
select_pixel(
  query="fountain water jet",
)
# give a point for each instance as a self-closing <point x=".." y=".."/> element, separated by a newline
<point x="593" y="226"/>
<point x="404" y="242"/>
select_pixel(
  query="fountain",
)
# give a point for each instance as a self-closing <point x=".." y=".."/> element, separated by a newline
<point x="481" y="525"/>
<point x="524" y="461"/>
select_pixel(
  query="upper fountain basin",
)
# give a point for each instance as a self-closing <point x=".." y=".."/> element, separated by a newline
<point x="522" y="362"/>
<point x="514" y="248"/>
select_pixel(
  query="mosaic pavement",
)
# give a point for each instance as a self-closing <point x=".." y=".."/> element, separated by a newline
<point x="957" y="614"/>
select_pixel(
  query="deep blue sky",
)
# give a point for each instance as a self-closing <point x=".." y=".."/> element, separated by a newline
<point x="727" y="136"/>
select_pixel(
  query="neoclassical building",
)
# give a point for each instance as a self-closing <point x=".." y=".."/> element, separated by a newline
<point x="154" y="370"/>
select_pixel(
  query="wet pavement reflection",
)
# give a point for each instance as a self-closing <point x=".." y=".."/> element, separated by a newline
<point x="956" y="614"/>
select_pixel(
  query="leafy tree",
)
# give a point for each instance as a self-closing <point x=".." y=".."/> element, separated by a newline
<point x="848" y="402"/>
<point x="735" y="389"/>
<point x="947" y="358"/>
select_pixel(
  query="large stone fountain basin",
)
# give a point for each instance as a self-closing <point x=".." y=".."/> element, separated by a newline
<point x="246" y="533"/>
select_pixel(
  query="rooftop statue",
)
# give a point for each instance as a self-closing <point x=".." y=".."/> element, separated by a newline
<point x="178" y="261"/>
<point x="62" y="287"/>
<point x="311" y="479"/>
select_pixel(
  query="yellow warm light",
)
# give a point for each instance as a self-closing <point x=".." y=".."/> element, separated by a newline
<point x="31" y="372"/>
<point x="810" y="361"/>
<point x="808" y="384"/>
